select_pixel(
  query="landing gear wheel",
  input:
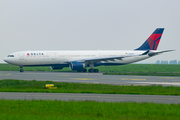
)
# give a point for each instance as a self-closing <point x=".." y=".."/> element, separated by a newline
<point x="91" y="70"/>
<point x="84" y="70"/>
<point x="79" y="70"/>
<point x="96" y="70"/>
<point x="21" y="69"/>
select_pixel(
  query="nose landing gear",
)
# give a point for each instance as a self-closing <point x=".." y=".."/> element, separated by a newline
<point x="21" y="69"/>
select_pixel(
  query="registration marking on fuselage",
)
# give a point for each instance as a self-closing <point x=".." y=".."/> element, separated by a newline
<point x="131" y="79"/>
<point x="83" y="79"/>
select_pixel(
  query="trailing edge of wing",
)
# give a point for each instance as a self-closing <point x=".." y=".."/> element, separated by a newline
<point x="103" y="59"/>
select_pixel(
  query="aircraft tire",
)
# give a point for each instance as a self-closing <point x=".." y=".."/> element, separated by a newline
<point x="96" y="70"/>
<point x="21" y="70"/>
<point x="91" y="70"/>
<point x="79" y="70"/>
<point x="84" y="70"/>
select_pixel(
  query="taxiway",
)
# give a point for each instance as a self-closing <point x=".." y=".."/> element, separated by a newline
<point x="93" y="97"/>
<point x="95" y="78"/>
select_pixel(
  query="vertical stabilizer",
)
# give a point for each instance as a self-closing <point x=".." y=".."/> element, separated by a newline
<point x="153" y="41"/>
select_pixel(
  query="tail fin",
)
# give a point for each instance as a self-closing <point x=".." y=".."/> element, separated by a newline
<point x="153" y="41"/>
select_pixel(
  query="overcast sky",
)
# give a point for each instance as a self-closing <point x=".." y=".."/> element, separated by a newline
<point x="88" y="25"/>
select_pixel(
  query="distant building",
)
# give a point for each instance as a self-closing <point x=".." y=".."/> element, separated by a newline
<point x="173" y="62"/>
<point x="158" y="62"/>
<point x="164" y="62"/>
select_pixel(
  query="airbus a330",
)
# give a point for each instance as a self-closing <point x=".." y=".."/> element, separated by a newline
<point x="81" y="59"/>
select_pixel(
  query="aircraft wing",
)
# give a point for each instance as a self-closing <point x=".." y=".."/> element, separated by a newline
<point x="114" y="58"/>
<point x="101" y="59"/>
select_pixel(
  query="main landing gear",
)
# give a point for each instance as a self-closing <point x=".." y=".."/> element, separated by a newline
<point x="21" y="69"/>
<point x="90" y="70"/>
<point x="93" y="70"/>
<point x="83" y="70"/>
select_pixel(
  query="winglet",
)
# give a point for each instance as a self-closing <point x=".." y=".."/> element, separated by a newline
<point x="153" y="41"/>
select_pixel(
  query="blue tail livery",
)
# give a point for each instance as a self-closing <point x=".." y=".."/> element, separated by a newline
<point x="153" y="41"/>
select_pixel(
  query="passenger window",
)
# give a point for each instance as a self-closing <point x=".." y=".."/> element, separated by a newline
<point x="10" y="56"/>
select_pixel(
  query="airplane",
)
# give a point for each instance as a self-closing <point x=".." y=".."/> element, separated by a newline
<point x="79" y="60"/>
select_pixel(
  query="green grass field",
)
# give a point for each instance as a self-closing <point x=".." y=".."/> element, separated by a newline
<point x="121" y="68"/>
<point x="64" y="87"/>
<point x="130" y="69"/>
<point x="85" y="110"/>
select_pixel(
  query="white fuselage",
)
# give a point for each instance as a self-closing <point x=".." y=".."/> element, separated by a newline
<point x="41" y="58"/>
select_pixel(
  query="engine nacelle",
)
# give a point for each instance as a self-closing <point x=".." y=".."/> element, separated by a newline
<point x="56" y="67"/>
<point x="77" y="65"/>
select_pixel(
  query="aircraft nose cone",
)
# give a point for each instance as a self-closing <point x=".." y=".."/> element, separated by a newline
<point x="5" y="59"/>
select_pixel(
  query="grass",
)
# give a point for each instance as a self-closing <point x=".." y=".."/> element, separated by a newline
<point x="130" y="69"/>
<point x="85" y="110"/>
<point x="142" y="68"/>
<point x="121" y="68"/>
<point x="65" y="87"/>
<point x="9" y="67"/>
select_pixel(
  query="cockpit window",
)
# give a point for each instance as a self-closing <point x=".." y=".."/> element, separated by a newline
<point x="10" y="56"/>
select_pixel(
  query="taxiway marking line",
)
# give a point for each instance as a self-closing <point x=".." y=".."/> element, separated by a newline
<point x="131" y="79"/>
<point x="83" y="79"/>
<point x="168" y="77"/>
<point x="5" y="74"/>
<point x="61" y="75"/>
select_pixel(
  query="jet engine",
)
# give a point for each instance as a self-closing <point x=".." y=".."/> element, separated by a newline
<point x="77" y="65"/>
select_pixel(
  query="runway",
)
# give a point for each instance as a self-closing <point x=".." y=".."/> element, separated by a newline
<point x="95" y="78"/>
<point x="93" y="97"/>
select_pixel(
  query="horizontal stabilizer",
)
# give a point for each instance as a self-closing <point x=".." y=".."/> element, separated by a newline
<point x="152" y="53"/>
